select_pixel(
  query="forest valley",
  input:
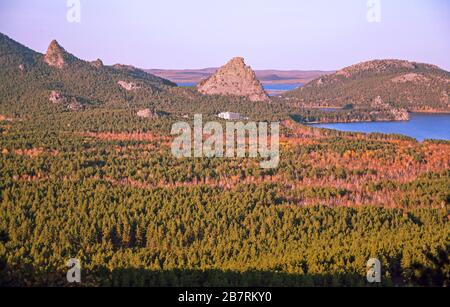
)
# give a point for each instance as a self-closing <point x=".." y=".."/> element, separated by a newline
<point x="135" y="215"/>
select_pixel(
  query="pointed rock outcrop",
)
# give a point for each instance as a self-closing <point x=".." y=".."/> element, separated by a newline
<point x="234" y="79"/>
<point x="97" y="63"/>
<point x="57" y="56"/>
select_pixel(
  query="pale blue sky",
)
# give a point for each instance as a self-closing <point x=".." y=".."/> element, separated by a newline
<point x="279" y="34"/>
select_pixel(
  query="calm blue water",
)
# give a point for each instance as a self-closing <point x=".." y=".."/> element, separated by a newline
<point x="281" y="87"/>
<point x="421" y="126"/>
<point x="187" y="84"/>
<point x="267" y="87"/>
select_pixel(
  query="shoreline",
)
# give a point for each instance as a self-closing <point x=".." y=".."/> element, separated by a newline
<point x="420" y="128"/>
<point x="430" y="112"/>
<point x="357" y="122"/>
<point x="377" y="121"/>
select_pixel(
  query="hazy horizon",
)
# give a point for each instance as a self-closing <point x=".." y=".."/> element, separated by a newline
<point x="278" y="35"/>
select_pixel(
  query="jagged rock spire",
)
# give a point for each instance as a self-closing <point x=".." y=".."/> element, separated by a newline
<point x="56" y="55"/>
<point x="234" y="79"/>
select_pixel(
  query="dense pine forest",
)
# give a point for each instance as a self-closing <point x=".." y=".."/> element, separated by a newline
<point x="136" y="216"/>
<point x="99" y="183"/>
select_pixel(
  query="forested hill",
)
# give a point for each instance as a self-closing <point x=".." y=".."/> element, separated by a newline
<point x="32" y="81"/>
<point x="401" y="84"/>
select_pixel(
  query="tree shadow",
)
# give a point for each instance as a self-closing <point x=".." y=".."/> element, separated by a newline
<point x="434" y="274"/>
<point x="135" y="277"/>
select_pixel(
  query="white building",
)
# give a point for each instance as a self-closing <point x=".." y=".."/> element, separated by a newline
<point x="230" y="116"/>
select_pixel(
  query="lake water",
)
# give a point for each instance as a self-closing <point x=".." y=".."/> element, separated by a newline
<point x="421" y="126"/>
<point x="267" y="87"/>
<point x="281" y="87"/>
<point x="186" y="84"/>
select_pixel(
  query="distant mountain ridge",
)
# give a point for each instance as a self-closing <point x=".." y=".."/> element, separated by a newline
<point x="33" y="83"/>
<point x="269" y="76"/>
<point x="396" y="83"/>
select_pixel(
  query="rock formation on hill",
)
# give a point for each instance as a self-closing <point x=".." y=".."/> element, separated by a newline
<point x="146" y="113"/>
<point x="399" y="114"/>
<point x="60" y="79"/>
<point x="57" y="56"/>
<point x="97" y="63"/>
<point x="71" y="103"/>
<point x="128" y="86"/>
<point x="234" y="79"/>
<point x="57" y="97"/>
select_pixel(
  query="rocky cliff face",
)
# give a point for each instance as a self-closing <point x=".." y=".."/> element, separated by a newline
<point x="234" y="79"/>
<point x="393" y="113"/>
<point x="57" y="56"/>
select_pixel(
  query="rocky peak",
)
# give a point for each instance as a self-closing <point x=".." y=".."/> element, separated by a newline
<point x="97" y="63"/>
<point x="237" y="61"/>
<point x="234" y="79"/>
<point x="56" y="55"/>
